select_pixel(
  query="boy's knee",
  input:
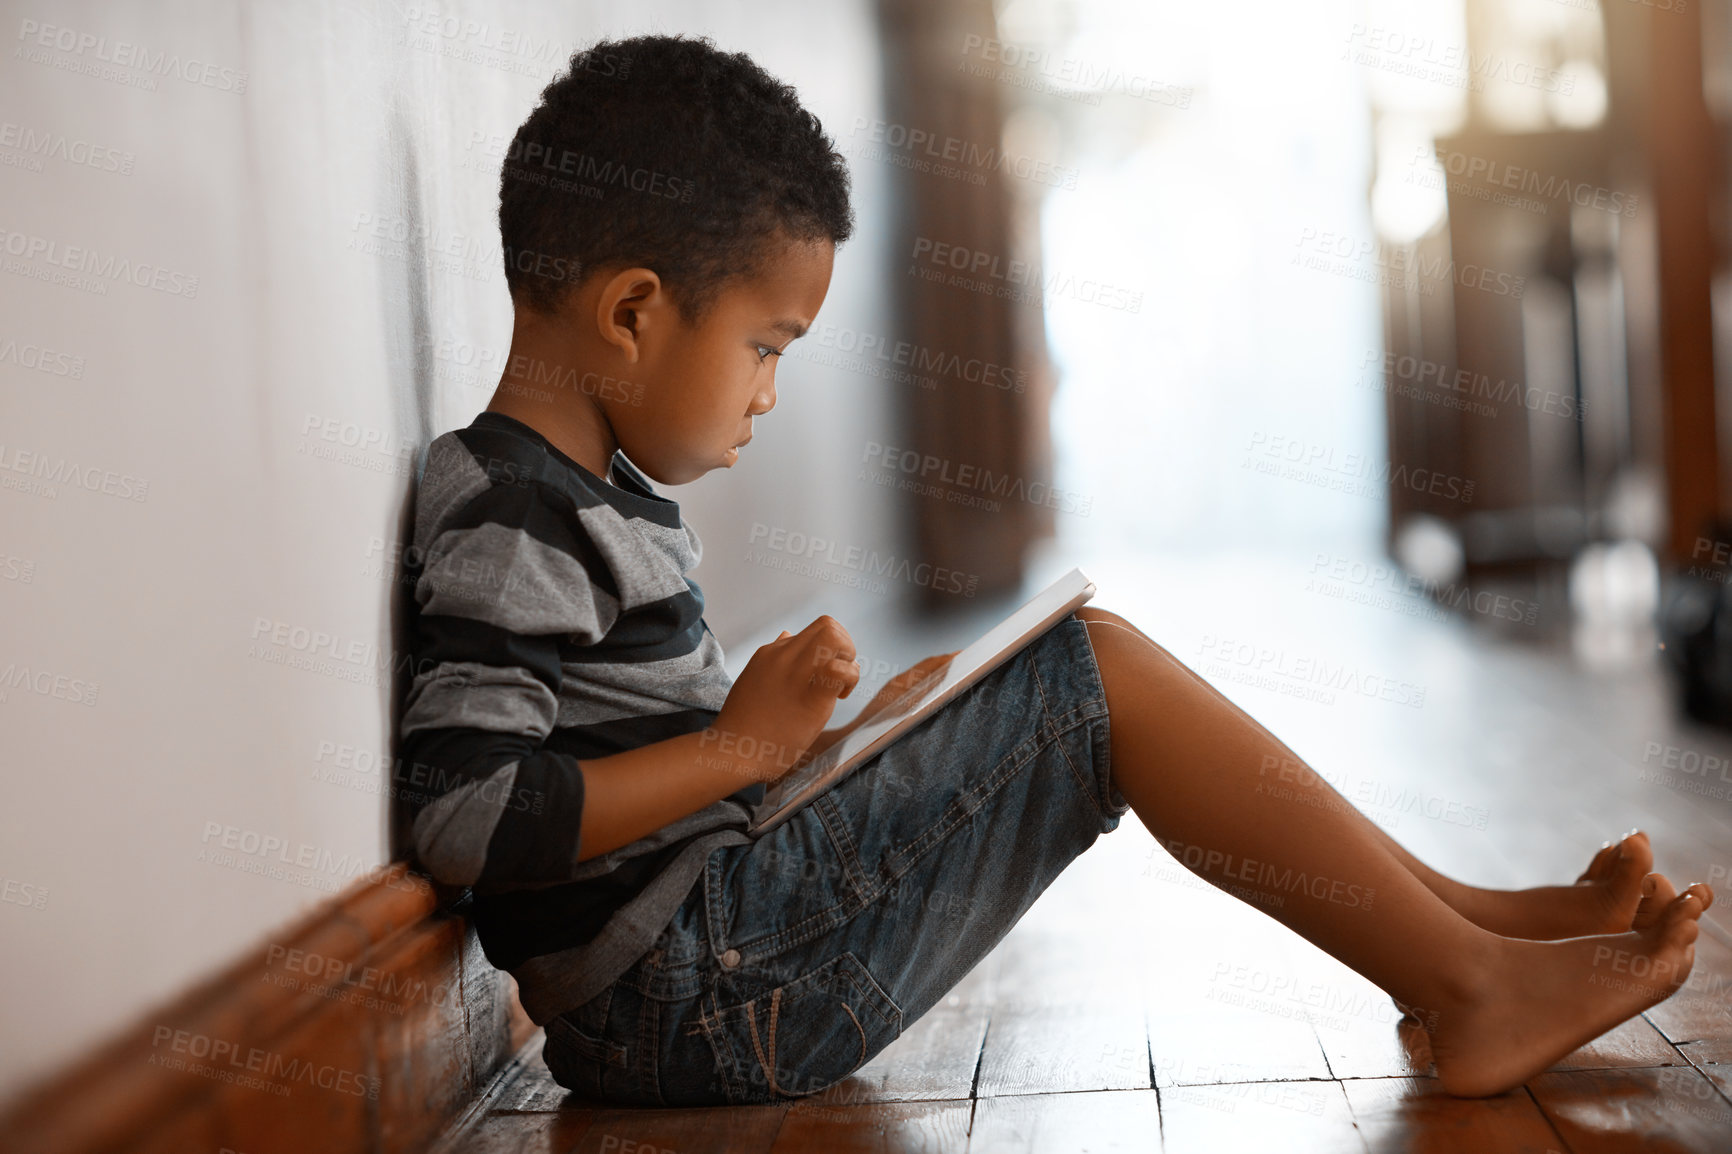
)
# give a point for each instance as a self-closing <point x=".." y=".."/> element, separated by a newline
<point x="1103" y="621"/>
<point x="1105" y="633"/>
<point x="1117" y="642"/>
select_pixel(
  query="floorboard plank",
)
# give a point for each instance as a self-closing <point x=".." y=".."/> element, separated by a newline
<point x="1293" y="1117"/>
<point x="717" y="1130"/>
<point x="934" y="1059"/>
<point x="1632" y="1043"/>
<point x="1099" y="1123"/>
<point x="526" y="1133"/>
<point x="1063" y="1049"/>
<point x="1676" y="1110"/>
<point x="534" y="1091"/>
<point x="1228" y="1044"/>
<point x="1416" y="1114"/>
<point x="1360" y="1030"/>
<point x="882" y="1128"/>
<point x="1713" y="1057"/>
<point x="1371" y="1048"/>
<point x="1702" y="1007"/>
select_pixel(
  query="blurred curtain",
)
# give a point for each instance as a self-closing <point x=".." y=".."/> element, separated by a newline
<point x="976" y="428"/>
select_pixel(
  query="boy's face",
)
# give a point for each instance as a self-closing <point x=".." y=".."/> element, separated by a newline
<point x="703" y="384"/>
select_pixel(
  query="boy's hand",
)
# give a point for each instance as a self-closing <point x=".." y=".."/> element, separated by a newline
<point x="785" y="694"/>
<point x="892" y="689"/>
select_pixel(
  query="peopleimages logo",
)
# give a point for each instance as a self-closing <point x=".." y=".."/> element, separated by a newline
<point x="1438" y="383"/>
<point x="226" y="1060"/>
<point x="125" y="54"/>
<point x="42" y="360"/>
<point x="443" y="32"/>
<point x="1516" y="183"/>
<point x="1015" y="280"/>
<point x="1424" y="57"/>
<point x="36" y="144"/>
<point x="879" y="355"/>
<point x="104" y="267"/>
<point x="581" y="170"/>
<point x="940" y="150"/>
<point x="46" y="683"/>
<point x="1401" y="266"/>
<point x="52" y="471"/>
<point x="812" y="550"/>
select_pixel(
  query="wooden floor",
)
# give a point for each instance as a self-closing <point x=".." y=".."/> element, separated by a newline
<point x="1135" y="1008"/>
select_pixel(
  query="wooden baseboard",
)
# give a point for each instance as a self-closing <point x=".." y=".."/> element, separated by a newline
<point x="369" y="1026"/>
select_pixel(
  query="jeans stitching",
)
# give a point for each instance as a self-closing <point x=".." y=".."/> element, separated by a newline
<point x="769" y="1067"/>
<point x="617" y="1055"/>
<point x="649" y="1027"/>
<point x="955" y="814"/>
<point x="721" y="1050"/>
<point x="1096" y="706"/>
<point x="1047" y="720"/>
<point x="841" y="837"/>
<point x="713" y="898"/>
<point x="872" y="889"/>
<point x="844" y="967"/>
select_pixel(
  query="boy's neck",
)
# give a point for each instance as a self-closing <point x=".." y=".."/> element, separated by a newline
<point x="576" y="439"/>
<point x="531" y="390"/>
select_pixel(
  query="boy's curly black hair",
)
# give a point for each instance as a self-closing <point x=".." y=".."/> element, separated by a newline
<point x="665" y="152"/>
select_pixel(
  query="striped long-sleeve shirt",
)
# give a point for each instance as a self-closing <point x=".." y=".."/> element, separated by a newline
<point x="554" y="622"/>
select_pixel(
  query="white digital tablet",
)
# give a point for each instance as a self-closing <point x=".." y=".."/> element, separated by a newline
<point x="1040" y="613"/>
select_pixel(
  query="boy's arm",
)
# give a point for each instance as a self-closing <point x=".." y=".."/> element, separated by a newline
<point x="768" y="727"/>
<point x="632" y="794"/>
<point x="544" y="812"/>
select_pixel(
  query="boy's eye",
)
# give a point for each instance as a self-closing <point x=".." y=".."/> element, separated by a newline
<point x="765" y="352"/>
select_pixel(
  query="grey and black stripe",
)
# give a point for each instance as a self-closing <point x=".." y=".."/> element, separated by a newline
<point x="554" y="622"/>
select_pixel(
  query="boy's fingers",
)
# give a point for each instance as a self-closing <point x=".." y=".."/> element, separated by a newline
<point x="846" y="673"/>
<point x="842" y="644"/>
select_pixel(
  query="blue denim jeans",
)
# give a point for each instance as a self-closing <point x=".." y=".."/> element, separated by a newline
<point x="797" y="958"/>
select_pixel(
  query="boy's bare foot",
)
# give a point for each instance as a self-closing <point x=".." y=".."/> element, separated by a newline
<point x="1602" y="901"/>
<point x="1537" y="1000"/>
<point x="1654" y="892"/>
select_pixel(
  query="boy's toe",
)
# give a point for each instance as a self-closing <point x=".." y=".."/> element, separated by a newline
<point x="1601" y="860"/>
<point x="1657" y="897"/>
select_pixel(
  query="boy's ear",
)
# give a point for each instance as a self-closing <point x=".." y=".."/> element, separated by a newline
<point x="631" y="303"/>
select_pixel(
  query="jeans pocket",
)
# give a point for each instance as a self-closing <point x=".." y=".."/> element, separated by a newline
<point x="577" y="1052"/>
<point x="802" y="1037"/>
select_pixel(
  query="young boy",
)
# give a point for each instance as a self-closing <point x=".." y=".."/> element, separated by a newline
<point x="669" y="216"/>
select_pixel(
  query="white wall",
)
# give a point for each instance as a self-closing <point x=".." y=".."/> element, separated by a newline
<point x="242" y="528"/>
